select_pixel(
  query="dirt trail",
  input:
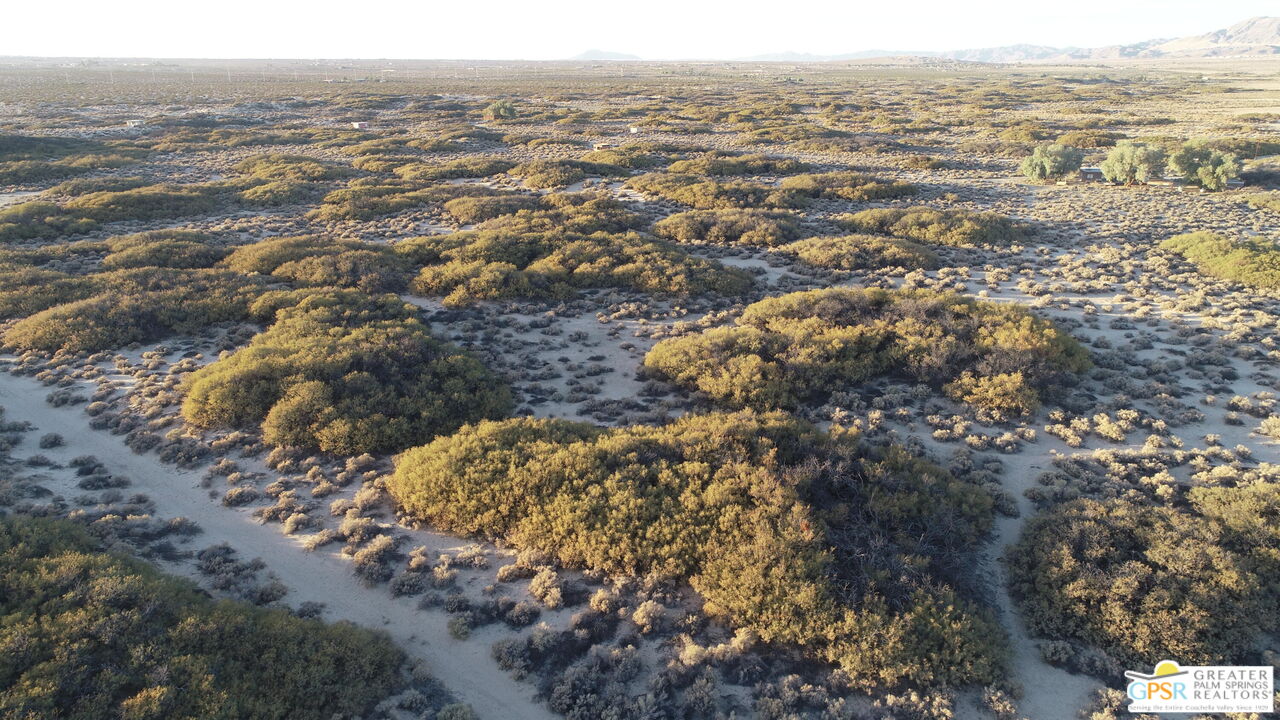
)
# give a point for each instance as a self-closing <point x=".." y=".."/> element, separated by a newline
<point x="322" y="576"/>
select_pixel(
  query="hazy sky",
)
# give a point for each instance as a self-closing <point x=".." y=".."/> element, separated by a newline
<point x="654" y="29"/>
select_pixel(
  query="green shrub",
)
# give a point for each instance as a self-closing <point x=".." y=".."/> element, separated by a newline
<point x="290" y="167"/>
<point x="799" y="537"/>
<point x="92" y="634"/>
<point x="467" y="167"/>
<point x="322" y="262"/>
<point x="558" y="173"/>
<point x="731" y="227"/>
<point x="346" y="374"/>
<point x="582" y="213"/>
<point x="861" y="252"/>
<point x="470" y="210"/>
<point x="702" y="194"/>
<point x="495" y="264"/>
<point x="847" y="186"/>
<point x="800" y="348"/>
<point x="717" y="162"/>
<point x="1251" y="262"/>
<point x="1264" y="201"/>
<point x="1146" y="583"/>
<point x="1090" y="139"/>
<point x="162" y="248"/>
<point x="940" y="227"/>
<point x="137" y="305"/>
<point x="84" y="186"/>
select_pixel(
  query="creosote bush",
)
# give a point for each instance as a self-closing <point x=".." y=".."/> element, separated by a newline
<point x="941" y="227"/>
<point x="94" y="634"/>
<point x="771" y="520"/>
<point x="345" y="373"/>
<point x="731" y="227"/>
<point x="1251" y="262"/>
<point x="1119" y="574"/>
<point x="796" y="349"/>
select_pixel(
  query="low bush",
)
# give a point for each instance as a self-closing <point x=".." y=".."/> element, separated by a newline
<point x="731" y="227"/>
<point x="847" y="186"/>
<point x="94" y="634"/>
<point x="137" y="305"/>
<point x="799" y="348"/>
<point x="162" y="248"/>
<point x="318" y="261"/>
<point x="770" y="519"/>
<point x="1255" y="263"/>
<point x="1118" y="574"/>
<point x="347" y="374"/>
<point x="717" y="162"/>
<point x="558" y="173"/>
<point x="941" y="227"/>
<point x="703" y="194"/>
<point x="494" y="264"/>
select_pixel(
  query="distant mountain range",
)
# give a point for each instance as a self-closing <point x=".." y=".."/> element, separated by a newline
<point x="604" y="55"/>
<point x="1254" y="37"/>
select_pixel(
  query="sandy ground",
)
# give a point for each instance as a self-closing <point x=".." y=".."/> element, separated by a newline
<point x="322" y="576"/>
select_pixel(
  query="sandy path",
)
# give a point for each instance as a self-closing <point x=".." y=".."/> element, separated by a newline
<point x="326" y="577"/>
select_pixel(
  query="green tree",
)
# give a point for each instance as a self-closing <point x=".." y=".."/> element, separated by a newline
<point x="1051" y="162"/>
<point x="1205" y="166"/>
<point x="1133" y="162"/>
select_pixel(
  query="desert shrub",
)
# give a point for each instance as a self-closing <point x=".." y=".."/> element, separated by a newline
<point x="84" y="186"/>
<point x="731" y="227"/>
<point x="38" y="220"/>
<point x="162" y="248"/>
<point x="30" y="159"/>
<point x="106" y="635"/>
<point x="137" y="305"/>
<point x="799" y="348"/>
<point x="1090" y="139"/>
<point x="717" y="162"/>
<point x="922" y="162"/>
<point x="1264" y="201"/>
<point x="558" y="173"/>
<point x="846" y="185"/>
<point x="1251" y="262"/>
<point x="318" y="261"/>
<point x="1119" y="574"/>
<point x="468" y="167"/>
<point x="1050" y="162"/>
<point x="584" y="213"/>
<point x="470" y="210"/>
<point x="290" y="167"/>
<point x="770" y="519"/>
<point x="501" y="110"/>
<point x="494" y="264"/>
<point x="365" y="202"/>
<point x="942" y="227"/>
<point x="1133" y="162"/>
<point x="281" y="192"/>
<point x="634" y="156"/>
<point x="861" y="252"/>
<point x="347" y="374"/>
<point x="703" y="194"/>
